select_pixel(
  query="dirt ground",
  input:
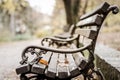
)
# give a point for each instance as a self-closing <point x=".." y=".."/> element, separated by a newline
<point x="10" y="56"/>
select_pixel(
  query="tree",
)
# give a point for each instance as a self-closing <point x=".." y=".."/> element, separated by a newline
<point x="85" y="7"/>
<point x="10" y="8"/>
<point x="72" y="8"/>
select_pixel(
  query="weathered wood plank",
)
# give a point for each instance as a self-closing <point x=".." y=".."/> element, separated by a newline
<point x="52" y="67"/>
<point x="74" y="70"/>
<point x="79" y="59"/>
<point x="39" y="67"/>
<point x="100" y="9"/>
<point x="62" y="67"/>
<point x="23" y="68"/>
<point x="87" y="33"/>
<point x="91" y="21"/>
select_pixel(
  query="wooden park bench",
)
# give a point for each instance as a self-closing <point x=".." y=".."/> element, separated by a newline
<point x="63" y="59"/>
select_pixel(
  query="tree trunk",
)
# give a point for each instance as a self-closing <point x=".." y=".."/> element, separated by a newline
<point x="76" y="8"/>
<point x="85" y="7"/>
<point x="72" y="10"/>
<point x="68" y="10"/>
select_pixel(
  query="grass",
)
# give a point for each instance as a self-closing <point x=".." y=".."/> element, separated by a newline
<point x="6" y="36"/>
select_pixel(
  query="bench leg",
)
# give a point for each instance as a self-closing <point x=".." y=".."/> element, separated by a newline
<point x="99" y="74"/>
<point x="23" y="77"/>
<point x="77" y="42"/>
<point x="95" y="75"/>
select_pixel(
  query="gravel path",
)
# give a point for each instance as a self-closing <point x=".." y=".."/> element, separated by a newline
<point x="10" y="56"/>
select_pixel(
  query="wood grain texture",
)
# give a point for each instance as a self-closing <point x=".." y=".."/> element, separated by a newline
<point x="52" y="67"/>
<point x="91" y="21"/>
<point x="91" y="34"/>
<point x="73" y="68"/>
<point x="62" y="67"/>
<point x="39" y="67"/>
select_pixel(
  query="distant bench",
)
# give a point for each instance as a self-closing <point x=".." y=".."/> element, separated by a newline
<point x="67" y="58"/>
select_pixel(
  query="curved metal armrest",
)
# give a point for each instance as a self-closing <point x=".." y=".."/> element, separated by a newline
<point x="64" y="40"/>
<point x="60" y="40"/>
<point x="62" y="51"/>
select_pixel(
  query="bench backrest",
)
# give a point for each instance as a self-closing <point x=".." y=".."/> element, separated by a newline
<point x="100" y="9"/>
<point x="90" y="24"/>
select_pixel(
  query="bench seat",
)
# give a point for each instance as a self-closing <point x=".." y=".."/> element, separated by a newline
<point x="60" y="66"/>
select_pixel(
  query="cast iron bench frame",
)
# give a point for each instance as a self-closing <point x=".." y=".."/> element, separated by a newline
<point x="71" y="61"/>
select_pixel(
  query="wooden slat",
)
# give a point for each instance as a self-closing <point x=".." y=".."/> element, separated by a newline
<point x="101" y="9"/>
<point x="23" y="69"/>
<point x="93" y="20"/>
<point x="62" y="67"/>
<point x="87" y="33"/>
<point x="39" y="67"/>
<point x="72" y="66"/>
<point x="79" y="59"/>
<point x="52" y="67"/>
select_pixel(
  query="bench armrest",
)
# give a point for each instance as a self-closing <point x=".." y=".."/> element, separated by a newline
<point x="54" y="39"/>
<point x="62" y="51"/>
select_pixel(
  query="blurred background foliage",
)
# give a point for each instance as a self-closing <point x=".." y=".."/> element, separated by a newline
<point x="20" y="21"/>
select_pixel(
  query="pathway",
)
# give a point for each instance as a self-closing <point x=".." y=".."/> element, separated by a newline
<point x="10" y="56"/>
